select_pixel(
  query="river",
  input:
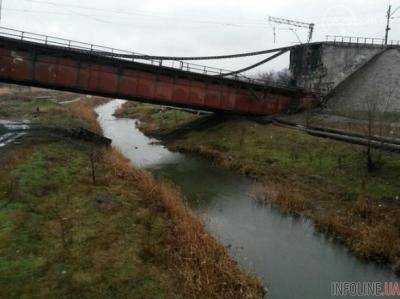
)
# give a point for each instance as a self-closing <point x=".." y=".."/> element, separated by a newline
<point x="292" y="260"/>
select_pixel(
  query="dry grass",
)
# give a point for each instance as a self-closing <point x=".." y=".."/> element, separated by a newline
<point x="57" y="241"/>
<point x="155" y="119"/>
<point x="325" y="180"/>
<point x="122" y="111"/>
<point x="371" y="230"/>
<point x="201" y="265"/>
<point x="378" y="242"/>
<point x="83" y="110"/>
<point x="149" y="236"/>
<point x="177" y="257"/>
<point x="288" y="201"/>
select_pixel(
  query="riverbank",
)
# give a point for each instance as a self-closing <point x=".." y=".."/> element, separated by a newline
<point x="155" y="118"/>
<point x="324" y="180"/>
<point x="78" y="220"/>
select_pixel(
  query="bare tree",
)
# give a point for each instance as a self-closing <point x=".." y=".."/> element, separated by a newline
<point x="368" y="102"/>
<point x="283" y="76"/>
<point x="370" y="114"/>
<point x="267" y="76"/>
<point x="93" y="158"/>
<point x="372" y="117"/>
<point x="377" y="104"/>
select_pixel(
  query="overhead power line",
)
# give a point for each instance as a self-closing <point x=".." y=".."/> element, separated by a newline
<point x="171" y="58"/>
<point x="102" y="19"/>
<point x="258" y="23"/>
<point x="255" y="65"/>
<point x="95" y="18"/>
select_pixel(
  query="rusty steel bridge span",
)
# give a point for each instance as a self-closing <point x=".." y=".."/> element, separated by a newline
<point x="54" y="63"/>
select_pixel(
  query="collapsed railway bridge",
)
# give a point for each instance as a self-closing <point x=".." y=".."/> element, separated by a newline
<point x="50" y="62"/>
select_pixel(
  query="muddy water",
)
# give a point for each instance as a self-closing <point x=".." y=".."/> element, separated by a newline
<point x="11" y="131"/>
<point x="292" y="260"/>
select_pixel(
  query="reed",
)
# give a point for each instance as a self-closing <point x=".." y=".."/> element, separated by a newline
<point x="324" y="180"/>
<point x="202" y="266"/>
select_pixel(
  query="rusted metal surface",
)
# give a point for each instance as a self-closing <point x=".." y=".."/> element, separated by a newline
<point x="165" y="61"/>
<point x="49" y="66"/>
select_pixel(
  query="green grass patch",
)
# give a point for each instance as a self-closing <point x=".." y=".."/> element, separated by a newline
<point x="155" y="119"/>
<point x="63" y="236"/>
<point x="273" y="151"/>
<point x="57" y="235"/>
<point x="269" y="150"/>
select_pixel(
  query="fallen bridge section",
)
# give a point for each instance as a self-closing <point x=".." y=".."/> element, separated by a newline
<point x="61" y="67"/>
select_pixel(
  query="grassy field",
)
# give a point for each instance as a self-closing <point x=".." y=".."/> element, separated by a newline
<point x="154" y="119"/>
<point x="323" y="179"/>
<point x="79" y="221"/>
<point x="62" y="235"/>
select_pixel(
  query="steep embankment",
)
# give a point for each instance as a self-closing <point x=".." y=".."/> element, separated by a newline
<point x="325" y="180"/>
<point x="78" y="221"/>
<point x="375" y="87"/>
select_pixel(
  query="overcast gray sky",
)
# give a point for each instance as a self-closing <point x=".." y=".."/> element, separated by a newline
<point x="205" y="27"/>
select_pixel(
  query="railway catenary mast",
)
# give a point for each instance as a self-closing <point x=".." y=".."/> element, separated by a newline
<point x="309" y="26"/>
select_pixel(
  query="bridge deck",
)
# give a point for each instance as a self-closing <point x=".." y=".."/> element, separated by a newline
<point x="79" y="69"/>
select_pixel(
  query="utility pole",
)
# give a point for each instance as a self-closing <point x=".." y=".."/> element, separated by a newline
<point x="1" y="9"/>
<point x="389" y="16"/>
<point x="274" y="28"/>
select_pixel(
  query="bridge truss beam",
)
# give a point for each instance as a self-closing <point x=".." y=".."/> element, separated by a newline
<point x="60" y="68"/>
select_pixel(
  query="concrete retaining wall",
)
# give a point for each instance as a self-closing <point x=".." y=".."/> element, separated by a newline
<point x="375" y="87"/>
<point x="323" y="66"/>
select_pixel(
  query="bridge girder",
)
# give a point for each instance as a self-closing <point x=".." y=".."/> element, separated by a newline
<point x="53" y="67"/>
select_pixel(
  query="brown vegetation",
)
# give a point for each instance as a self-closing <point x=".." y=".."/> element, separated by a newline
<point x="324" y="180"/>
<point x="137" y="240"/>
<point x="154" y="119"/>
<point x="202" y="267"/>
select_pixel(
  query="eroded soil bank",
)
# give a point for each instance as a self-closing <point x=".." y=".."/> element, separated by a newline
<point x="324" y="180"/>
